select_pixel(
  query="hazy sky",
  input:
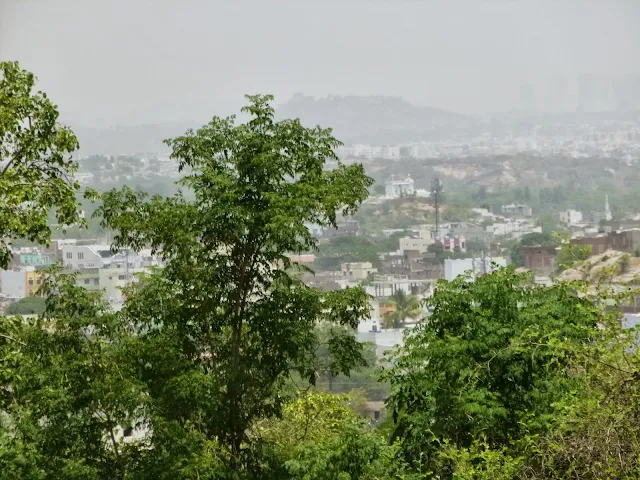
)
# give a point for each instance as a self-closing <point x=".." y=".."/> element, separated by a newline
<point x="134" y="61"/>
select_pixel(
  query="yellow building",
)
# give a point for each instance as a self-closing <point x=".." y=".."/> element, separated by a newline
<point x="33" y="281"/>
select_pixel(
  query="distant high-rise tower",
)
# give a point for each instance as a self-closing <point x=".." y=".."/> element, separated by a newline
<point x="558" y="99"/>
<point x="607" y="210"/>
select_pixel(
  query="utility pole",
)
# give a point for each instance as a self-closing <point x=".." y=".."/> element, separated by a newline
<point x="436" y="198"/>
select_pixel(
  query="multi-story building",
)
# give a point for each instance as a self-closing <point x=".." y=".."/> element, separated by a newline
<point x="33" y="282"/>
<point x="77" y="257"/>
<point x="19" y="283"/>
<point x="517" y="210"/>
<point x="396" y="188"/>
<point x="346" y="228"/>
<point x="357" y="270"/>
<point x="571" y="217"/>
<point x="34" y="258"/>
<point x="419" y="244"/>
<point x="540" y="259"/>
<point x="452" y="243"/>
<point x="89" y="278"/>
<point x="625" y="241"/>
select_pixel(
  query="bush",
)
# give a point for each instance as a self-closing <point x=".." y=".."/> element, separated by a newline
<point x="623" y="263"/>
<point x="27" y="306"/>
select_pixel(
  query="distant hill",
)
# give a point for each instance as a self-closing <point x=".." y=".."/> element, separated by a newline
<point x="376" y="120"/>
<point x="127" y="140"/>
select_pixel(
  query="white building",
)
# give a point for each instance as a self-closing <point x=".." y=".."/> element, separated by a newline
<point x="396" y="188"/>
<point x="517" y="210"/>
<point x="386" y="285"/>
<point x="114" y="278"/>
<point x="476" y="266"/>
<point x="76" y="257"/>
<point x="571" y="217"/>
<point x="13" y="284"/>
<point x="420" y="244"/>
<point x="391" y="152"/>
<point x="314" y="229"/>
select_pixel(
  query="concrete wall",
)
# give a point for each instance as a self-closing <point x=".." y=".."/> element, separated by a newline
<point x="13" y="284"/>
<point x="454" y="268"/>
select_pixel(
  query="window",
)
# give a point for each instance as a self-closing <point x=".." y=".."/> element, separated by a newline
<point x="96" y="281"/>
<point x="86" y="281"/>
<point x="38" y="281"/>
<point x="31" y="282"/>
<point x="69" y="255"/>
<point x="80" y="255"/>
<point x="121" y="277"/>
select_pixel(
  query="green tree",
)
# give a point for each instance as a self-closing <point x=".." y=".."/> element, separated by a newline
<point x="404" y="306"/>
<point x="491" y="361"/>
<point x="226" y="322"/>
<point x="319" y="437"/>
<point x="347" y="249"/>
<point x="27" y="306"/>
<point x="36" y="166"/>
<point x="456" y="213"/>
<point x="66" y="394"/>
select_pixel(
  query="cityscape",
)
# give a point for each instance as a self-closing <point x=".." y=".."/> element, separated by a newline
<point x="319" y="240"/>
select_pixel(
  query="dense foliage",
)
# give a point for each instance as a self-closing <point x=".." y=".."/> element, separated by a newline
<point x="36" y="166"/>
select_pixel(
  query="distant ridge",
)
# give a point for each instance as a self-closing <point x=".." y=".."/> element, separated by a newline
<point x="375" y="119"/>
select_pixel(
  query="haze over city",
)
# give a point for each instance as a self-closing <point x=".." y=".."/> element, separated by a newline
<point x="135" y="62"/>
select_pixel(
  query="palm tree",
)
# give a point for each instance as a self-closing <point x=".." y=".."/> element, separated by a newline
<point x="405" y="306"/>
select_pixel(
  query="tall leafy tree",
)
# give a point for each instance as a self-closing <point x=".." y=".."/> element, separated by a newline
<point x="491" y="361"/>
<point x="404" y="306"/>
<point x="226" y="321"/>
<point x="36" y="166"/>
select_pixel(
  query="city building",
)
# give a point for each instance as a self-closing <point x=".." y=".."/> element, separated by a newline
<point x="357" y="271"/>
<point x="419" y="244"/>
<point x="540" y="259"/>
<point x="396" y="188"/>
<point x="453" y="243"/>
<point x="571" y="217"/>
<point x="75" y="257"/>
<point x="516" y="210"/>
<point x="475" y="266"/>
<point x="624" y="241"/>
<point x="13" y="284"/>
<point x="33" y="281"/>
<point x="34" y="258"/>
<point x="385" y="285"/>
<point x="346" y="228"/>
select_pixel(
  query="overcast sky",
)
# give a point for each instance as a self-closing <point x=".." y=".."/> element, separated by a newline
<point x="135" y="61"/>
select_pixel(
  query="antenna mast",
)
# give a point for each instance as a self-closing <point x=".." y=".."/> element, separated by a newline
<point x="436" y="198"/>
